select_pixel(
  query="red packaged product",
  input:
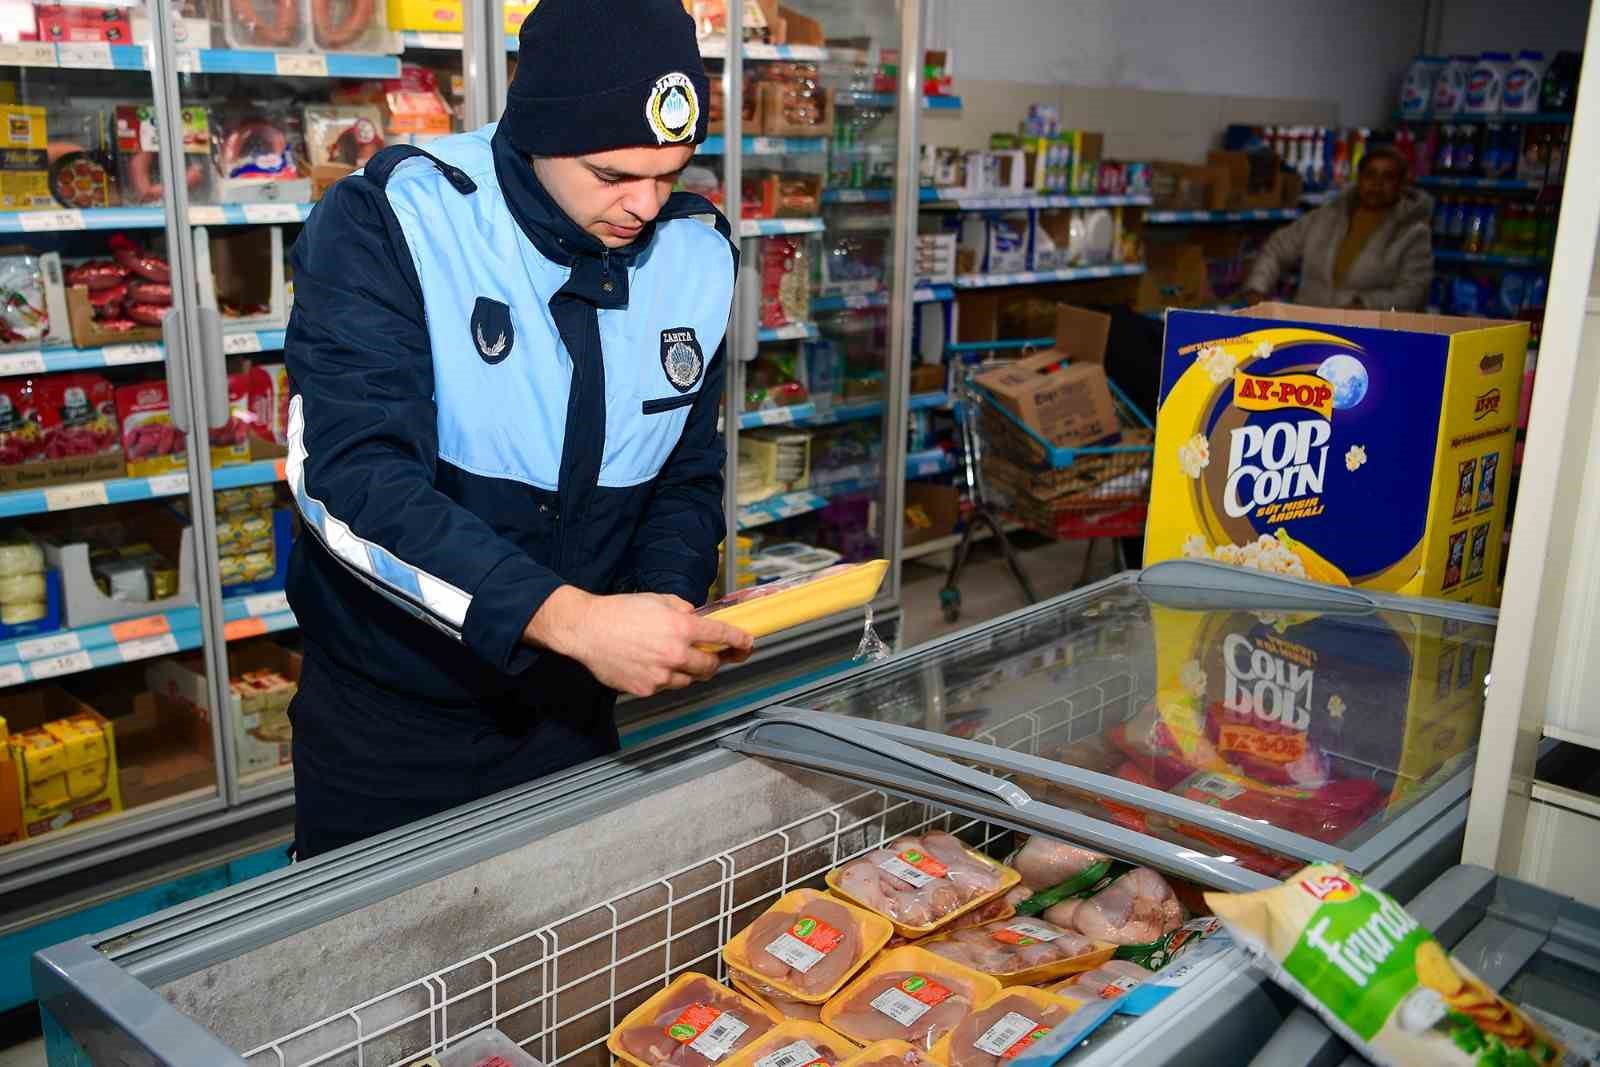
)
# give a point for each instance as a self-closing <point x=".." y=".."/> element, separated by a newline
<point x="79" y="415"/>
<point x="21" y="438"/>
<point x="149" y="440"/>
<point x="73" y="24"/>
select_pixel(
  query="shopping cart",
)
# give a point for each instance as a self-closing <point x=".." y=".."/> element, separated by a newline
<point x="1015" y="476"/>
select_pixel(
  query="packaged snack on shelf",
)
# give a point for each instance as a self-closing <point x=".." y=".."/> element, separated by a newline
<point x="796" y="105"/>
<point x="82" y="172"/>
<point x="807" y="945"/>
<point x="1002" y="1027"/>
<point x="138" y="153"/>
<point x="1356" y="957"/>
<point x="778" y="460"/>
<point x="120" y="300"/>
<point x="785" y="281"/>
<point x="711" y="1019"/>
<point x="918" y="883"/>
<point x="261" y="743"/>
<point x="150" y="442"/>
<point x="795" y="1043"/>
<point x="30" y="595"/>
<point x="64" y="755"/>
<point x="349" y="25"/>
<point x="427" y="16"/>
<point x="240" y="533"/>
<point x="910" y="995"/>
<point x="247" y="568"/>
<point x="79" y="24"/>
<point x="853" y="264"/>
<point x="274" y="24"/>
<point x="137" y="576"/>
<point x="33" y="302"/>
<point x="25" y="161"/>
<point x="248" y="498"/>
<point x="77" y="412"/>
<point x="769" y="195"/>
<point x="339" y="139"/>
<point x="413" y="103"/>
<point x="253" y="155"/>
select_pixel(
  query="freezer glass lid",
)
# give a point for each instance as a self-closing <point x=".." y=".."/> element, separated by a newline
<point x="1215" y="717"/>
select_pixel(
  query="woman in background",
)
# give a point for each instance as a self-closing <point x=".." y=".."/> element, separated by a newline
<point x="1370" y="247"/>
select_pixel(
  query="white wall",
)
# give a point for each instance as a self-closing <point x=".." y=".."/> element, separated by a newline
<point x="1352" y="53"/>
<point x="1466" y="26"/>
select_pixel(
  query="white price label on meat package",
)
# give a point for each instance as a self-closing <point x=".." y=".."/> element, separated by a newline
<point x="998" y="1039"/>
<point x="69" y="664"/>
<point x="718" y="1039"/>
<point x="90" y="56"/>
<point x="43" y="221"/>
<point x="272" y="213"/>
<point x="799" y="1054"/>
<point x="241" y="344"/>
<point x="1024" y="932"/>
<point x="53" y="645"/>
<point x="900" y="1006"/>
<point x="67" y="497"/>
<point x="906" y="873"/>
<point x="12" y="674"/>
<point x="147" y="647"/>
<point x="119" y="355"/>
<point x="22" y="363"/>
<point x="28" y="54"/>
<point x="302" y="65"/>
<point x="1217" y="786"/>
<point x="1117" y="986"/>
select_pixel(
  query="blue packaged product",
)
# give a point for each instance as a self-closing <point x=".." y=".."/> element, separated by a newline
<point x="1534" y="299"/>
<point x="1521" y="93"/>
<point x="1467" y="297"/>
<point x="1512" y="295"/>
<point x="1486" y="83"/>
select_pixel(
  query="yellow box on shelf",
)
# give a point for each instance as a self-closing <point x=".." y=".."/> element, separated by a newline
<point x="64" y="756"/>
<point x="444" y="16"/>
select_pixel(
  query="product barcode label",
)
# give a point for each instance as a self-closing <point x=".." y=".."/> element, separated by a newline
<point x="798" y="1054"/>
<point x="117" y="355"/>
<point x="22" y="363"/>
<point x="999" y="1038"/>
<point x="66" y="497"/>
<point x="28" y="54"/>
<point x="1217" y="786"/>
<point x="68" y="664"/>
<point x="90" y="56"/>
<point x="54" y="645"/>
<point x="806" y="943"/>
<point x="240" y="344"/>
<point x="709" y="1031"/>
<point x="1025" y="932"/>
<point x="910" y="1000"/>
<point x="146" y="647"/>
<point x="302" y="65"/>
<point x="915" y="868"/>
<point x="39" y="221"/>
<point x="1117" y="986"/>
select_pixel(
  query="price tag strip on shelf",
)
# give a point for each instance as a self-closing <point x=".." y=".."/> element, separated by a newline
<point x="71" y="663"/>
<point x="241" y="344"/>
<point x="119" y="355"/>
<point x="68" y="497"/>
<point x="28" y="54"/>
<point x="302" y="65"/>
<point x="45" y="221"/>
<point x="85" y="56"/>
<point x="148" y="647"/>
<point x="22" y="363"/>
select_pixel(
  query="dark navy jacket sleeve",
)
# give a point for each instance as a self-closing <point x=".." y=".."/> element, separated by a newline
<point x="363" y="436"/>
<point x="675" y="546"/>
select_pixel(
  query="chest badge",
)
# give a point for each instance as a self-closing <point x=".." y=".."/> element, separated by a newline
<point x="492" y="331"/>
<point x="682" y="359"/>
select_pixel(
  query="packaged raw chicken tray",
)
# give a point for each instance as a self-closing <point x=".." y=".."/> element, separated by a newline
<point x="1001" y="1028"/>
<point x="775" y="1000"/>
<point x="807" y="945"/>
<point x="694" y="1022"/>
<point x="922" y="883"/>
<point x="766" y="609"/>
<point x="795" y="1044"/>
<point x="1133" y="908"/>
<point x="890" y="1053"/>
<point x="908" y="994"/>
<point x="1021" y="951"/>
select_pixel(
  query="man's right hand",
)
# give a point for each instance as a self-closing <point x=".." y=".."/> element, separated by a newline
<point x="636" y="643"/>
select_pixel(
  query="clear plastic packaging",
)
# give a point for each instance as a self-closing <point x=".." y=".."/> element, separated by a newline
<point x="922" y="884"/>
<point x="20" y="556"/>
<point x="253" y="144"/>
<point x="342" y="135"/>
<point x="807" y="945"/>
<point x="486" y="1048"/>
<point x="1106" y="982"/>
<point x="82" y="171"/>
<point x="1002" y="1027"/>
<point x="908" y="994"/>
<point x="1021" y="951"/>
<point x="775" y="1001"/>
<point x="24" y="316"/>
<point x="796" y="1044"/>
<point x="138" y="153"/>
<point x="349" y="25"/>
<point x="694" y="1022"/>
<point x="270" y="24"/>
<point x="890" y="1053"/>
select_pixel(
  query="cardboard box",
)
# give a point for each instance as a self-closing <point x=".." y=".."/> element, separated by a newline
<point x="927" y="378"/>
<point x="1254" y="180"/>
<point x="63" y="758"/>
<point x="1352" y="447"/>
<point x="67" y="550"/>
<point x="24" y="163"/>
<point x="10" y="797"/>
<point x="773" y="461"/>
<point x="262" y="743"/>
<point x="87" y="332"/>
<point x="775" y="123"/>
<point x="931" y="512"/>
<point x="1082" y="334"/>
<point x="244" y="267"/>
<point x="1175" y="276"/>
<point x="164" y="750"/>
<point x="1065" y="403"/>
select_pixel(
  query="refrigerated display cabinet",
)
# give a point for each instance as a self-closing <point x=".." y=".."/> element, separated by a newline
<point x="551" y="910"/>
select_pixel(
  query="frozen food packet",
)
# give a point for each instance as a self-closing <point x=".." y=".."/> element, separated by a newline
<point x="1380" y="980"/>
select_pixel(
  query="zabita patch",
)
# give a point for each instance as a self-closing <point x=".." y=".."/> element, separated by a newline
<point x="681" y="359"/>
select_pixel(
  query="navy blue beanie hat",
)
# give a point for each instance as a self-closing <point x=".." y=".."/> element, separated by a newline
<point x="593" y="75"/>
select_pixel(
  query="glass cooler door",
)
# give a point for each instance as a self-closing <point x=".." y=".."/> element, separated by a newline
<point x="1256" y="722"/>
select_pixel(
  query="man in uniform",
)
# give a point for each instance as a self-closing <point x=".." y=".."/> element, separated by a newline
<point x="507" y="355"/>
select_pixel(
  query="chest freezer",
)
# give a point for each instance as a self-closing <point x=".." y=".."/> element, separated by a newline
<point x="552" y="910"/>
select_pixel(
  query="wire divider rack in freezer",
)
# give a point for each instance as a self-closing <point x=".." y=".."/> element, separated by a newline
<point x="624" y="949"/>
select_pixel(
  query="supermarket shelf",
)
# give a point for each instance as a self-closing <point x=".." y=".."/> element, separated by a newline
<point x="942" y="103"/>
<point x="45" y="361"/>
<point x="1034" y="277"/>
<point x="782" y="506"/>
<point x="248" y="214"/>
<point x="965" y="201"/>
<point x="129" y="490"/>
<point x="778" y="227"/>
<point x="716" y="144"/>
<point x="1563" y="118"/>
<point x="258" y="472"/>
<point x="1447" y="181"/>
<point x="799" y="331"/>
<point x="93" y="56"/>
<point x="1488" y="259"/>
<point x="149" y="218"/>
<point x="288" y="64"/>
<point x="809" y="414"/>
<point x="885" y="101"/>
<point x="927" y="464"/>
<point x="857" y="196"/>
<point x="822" y="305"/>
<point x="932" y="294"/>
<point x="1155" y="218"/>
<point x="718" y="49"/>
<point x="845" y="481"/>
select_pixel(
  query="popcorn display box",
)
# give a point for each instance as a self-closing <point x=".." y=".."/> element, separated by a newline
<point x="1360" y="448"/>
